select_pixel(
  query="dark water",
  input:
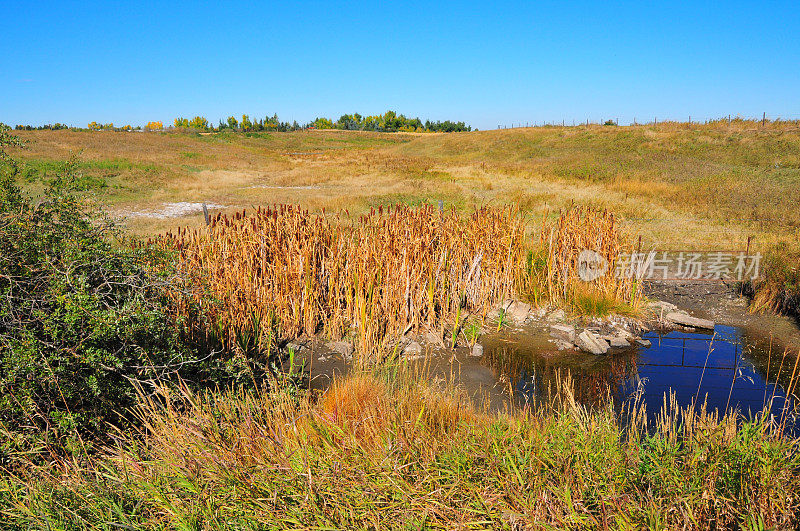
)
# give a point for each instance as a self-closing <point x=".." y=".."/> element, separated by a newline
<point x="729" y="370"/>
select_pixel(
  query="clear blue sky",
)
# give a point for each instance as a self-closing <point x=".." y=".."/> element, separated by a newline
<point x="486" y="63"/>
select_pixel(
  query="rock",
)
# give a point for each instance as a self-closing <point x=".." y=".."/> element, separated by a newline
<point x="557" y="316"/>
<point x="296" y="347"/>
<point x="589" y="342"/>
<point x="623" y="333"/>
<point x="538" y="313"/>
<point x="412" y="349"/>
<point x="662" y="306"/>
<point x="477" y="350"/>
<point x="563" y="332"/>
<point x="345" y="348"/>
<point x="434" y="338"/>
<point x="644" y="342"/>
<point x="688" y="320"/>
<point x="518" y="312"/>
<point x="619" y="342"/>
<point x="562" y="345"/>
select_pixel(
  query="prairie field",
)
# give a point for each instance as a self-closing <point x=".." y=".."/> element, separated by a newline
<point x="678" y="185"/>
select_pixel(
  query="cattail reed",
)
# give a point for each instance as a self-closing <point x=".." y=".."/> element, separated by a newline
<point x="297" y="273"/>
<point x="577" y="229"/>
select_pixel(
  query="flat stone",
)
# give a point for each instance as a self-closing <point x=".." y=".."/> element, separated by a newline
<point x="518" y="312"/>
<point x="345" y="348"/>
<point x="477" y="350"/>
<point x="563" y="332"/>
<point x="412" y="349"/>
<point x="589" y="342"/>
<point x="557" y="315"/>
<point x="619" y="342"/>
<point x="688" y="320"/>
<point x="644" y="342"/>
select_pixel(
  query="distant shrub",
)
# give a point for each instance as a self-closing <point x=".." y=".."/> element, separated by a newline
<point x="199" y="122"/>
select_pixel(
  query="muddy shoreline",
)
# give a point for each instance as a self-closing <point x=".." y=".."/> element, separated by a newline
<point x="721" y="303"/>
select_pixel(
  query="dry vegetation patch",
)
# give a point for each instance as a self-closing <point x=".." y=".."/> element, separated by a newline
<point x="284" y="272"/>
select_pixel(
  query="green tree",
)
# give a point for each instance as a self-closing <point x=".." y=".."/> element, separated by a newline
<point x="322" y="123"/>
<point x="199" y="122"/>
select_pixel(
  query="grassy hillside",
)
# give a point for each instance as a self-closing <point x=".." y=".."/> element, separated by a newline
<point x="678" y="186"/>
<point x="675" y="184"/>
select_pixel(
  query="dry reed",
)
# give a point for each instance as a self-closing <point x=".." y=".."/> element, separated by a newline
<point x="283" y="272"/>
<point x="578" y="229"/>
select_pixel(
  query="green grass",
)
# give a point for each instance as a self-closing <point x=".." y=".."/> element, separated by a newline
<point x="590" y="303"/>
<point x="384" y="450"/>
<point x="91" y="174"/>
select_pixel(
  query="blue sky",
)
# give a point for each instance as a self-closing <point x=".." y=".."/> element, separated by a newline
<point x="486" y="63"/>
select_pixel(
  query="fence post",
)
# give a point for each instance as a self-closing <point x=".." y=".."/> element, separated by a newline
<point x="205" y="214"/>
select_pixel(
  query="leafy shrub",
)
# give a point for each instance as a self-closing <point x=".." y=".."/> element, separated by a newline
<point x="82" y="319"/>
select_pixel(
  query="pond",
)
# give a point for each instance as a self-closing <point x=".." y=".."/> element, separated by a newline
<point x="730" y="369"/>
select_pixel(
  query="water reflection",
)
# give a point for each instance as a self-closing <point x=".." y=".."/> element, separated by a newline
<point x="728" y="369"/>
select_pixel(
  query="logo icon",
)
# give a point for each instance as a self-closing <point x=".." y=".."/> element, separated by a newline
<point x="591" y="265"/>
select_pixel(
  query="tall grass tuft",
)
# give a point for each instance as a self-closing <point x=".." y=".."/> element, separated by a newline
<point x="779" y="289"/>
<point x="577" y="229"/>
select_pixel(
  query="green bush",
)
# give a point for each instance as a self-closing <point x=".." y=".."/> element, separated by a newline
<point x="82" y="318"/>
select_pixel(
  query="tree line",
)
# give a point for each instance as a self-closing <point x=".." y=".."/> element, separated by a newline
<point x="390" y="121"/>
<point x="387" y="122"/>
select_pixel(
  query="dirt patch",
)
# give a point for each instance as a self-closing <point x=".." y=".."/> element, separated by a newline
<point x="170" y="210"/>
<point x="722" y="303"/>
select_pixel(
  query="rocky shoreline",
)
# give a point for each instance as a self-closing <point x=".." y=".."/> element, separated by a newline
<point x="591" y="335"/>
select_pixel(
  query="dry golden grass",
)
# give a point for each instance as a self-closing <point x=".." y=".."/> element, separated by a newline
<point x="284" y="272"/>
<point x="579" y="229"/>
<point x="693" y="186"/>
<point x="678" y="186"/>
<point x="386" y="450"/>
